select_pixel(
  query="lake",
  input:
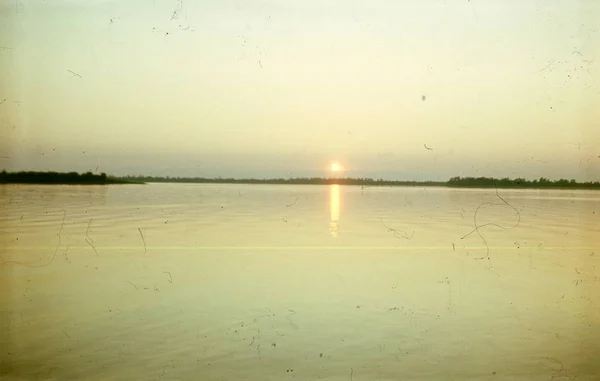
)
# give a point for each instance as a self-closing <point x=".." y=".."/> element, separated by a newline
<point x="285" y="282"/>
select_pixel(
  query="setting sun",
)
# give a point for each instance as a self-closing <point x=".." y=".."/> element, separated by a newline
<point x="335" y="167"/>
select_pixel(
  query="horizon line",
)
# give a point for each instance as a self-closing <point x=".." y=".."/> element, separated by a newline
<point x="454" y="180"/>
<point x="347" y="178"/>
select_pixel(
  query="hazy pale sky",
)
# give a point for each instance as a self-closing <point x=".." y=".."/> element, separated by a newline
<point x="283" y="88"/>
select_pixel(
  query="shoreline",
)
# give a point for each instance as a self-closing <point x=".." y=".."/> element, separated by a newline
<point x="376" y="185"/>
<point x="379" y="185"/>
<point x="88" y="178"/>
<point x="69" y="183"/>
<point x="403" y="185"/>
<point x="454" y="183"/>
<point x="61" y="178"/>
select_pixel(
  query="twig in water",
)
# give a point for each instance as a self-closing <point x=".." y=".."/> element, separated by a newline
<point x="89" y="242"/>
<point x="397" y="232"/>
<point x="163" y="371"/>
<point x="477" y="227"/>
<point x="72" y="72"/>
<point x="293" y="203"/>
<point x="55" y="250"/>
<point x="66" y="334"/>
<point x="131" y="283"/>
<point x="176" y="13"/>
<point x="66" y="254"/>
<point x="88" y="228"/>
<point x="546" y="67"/>
<point x="425" y="145"/>
<point x="555" y="361"/>
<point x="142" y="235"/>
<point x="170" y="277"/>
<point x="351" y="373"/>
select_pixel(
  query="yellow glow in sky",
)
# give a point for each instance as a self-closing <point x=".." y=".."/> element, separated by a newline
<point x="278" y="92"/>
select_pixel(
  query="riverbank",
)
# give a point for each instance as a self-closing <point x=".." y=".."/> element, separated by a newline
<point x="88" y="178"/>
<point x="57" y="178"/>
<point x="455" y="182"/>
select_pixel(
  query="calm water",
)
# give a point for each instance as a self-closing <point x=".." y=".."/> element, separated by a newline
<point x="261" y="282"/>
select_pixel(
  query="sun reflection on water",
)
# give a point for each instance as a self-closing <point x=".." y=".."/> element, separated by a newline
<point x="334" y="209"/>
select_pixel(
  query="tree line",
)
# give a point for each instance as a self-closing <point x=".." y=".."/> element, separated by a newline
<point x="466" y="182"/>
<point x="297" y="181"/>
<point x="542" y="182"/>
<point x="31" y="177"/>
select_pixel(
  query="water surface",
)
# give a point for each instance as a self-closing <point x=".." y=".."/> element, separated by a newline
<point x="276" y="282"/>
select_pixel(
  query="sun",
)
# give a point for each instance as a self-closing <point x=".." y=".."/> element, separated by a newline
<point x="336" y="167"/>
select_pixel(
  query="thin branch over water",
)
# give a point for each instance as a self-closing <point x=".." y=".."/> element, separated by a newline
<point x="397" y="232"/>
<point x="89" y="242"/>
<point x="477" y="227"/>
<point x="133" y="284"/>
<point x="55" y="250"/>
<point x="143" y="240"/>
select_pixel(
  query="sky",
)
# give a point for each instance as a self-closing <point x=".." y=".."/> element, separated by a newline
<point x="415" y="90"/>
